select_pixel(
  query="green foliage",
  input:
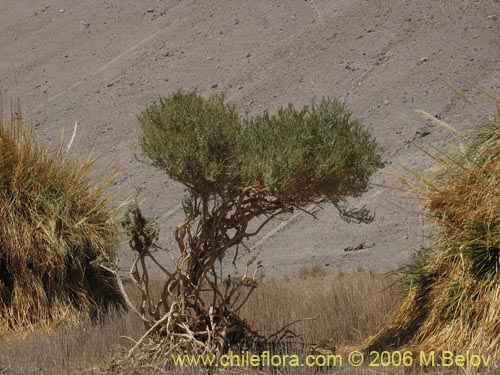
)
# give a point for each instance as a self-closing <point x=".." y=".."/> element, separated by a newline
<point x="313" y="153"/>
<point x="142" y="231"/>
<point x="318" y="153"/>
<point x="194" y="140"/>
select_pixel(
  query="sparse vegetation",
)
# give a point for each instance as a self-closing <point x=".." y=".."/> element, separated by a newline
<point x="55" y="230"/>
<point x="57" y="241"/>
<point x="349" y="308"/>
<point x="239" y="174"/>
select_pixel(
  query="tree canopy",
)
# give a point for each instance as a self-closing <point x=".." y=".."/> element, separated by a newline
<point x="314" y="154"/>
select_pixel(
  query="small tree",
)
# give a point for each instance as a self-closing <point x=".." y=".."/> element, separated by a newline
<point x="237" y="171"/>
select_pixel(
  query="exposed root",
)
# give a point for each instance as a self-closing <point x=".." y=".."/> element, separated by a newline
<point x="196" y="312"/>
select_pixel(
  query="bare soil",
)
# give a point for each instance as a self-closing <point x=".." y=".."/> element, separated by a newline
<point x="99" y="63"/>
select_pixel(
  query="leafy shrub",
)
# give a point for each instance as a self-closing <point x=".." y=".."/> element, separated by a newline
<point x="240" y="173"/>
<point x="317" y="153"/>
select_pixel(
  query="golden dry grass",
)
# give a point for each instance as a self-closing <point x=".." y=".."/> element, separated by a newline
<point x="56" y="229"/>
<point x="335" y="301"/>
<point x="307" y="272"/>
<point x="453" y="294"/>
<point x="349" y="309"/>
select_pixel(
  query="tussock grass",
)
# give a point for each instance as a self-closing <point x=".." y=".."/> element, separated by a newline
<point x="56" y="229"/>
<point x="453" y="291"/>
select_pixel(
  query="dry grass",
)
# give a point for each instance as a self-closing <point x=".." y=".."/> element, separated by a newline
<point x="68" y="350"/>
<point x="307" y="272"/>
<point x="452" y="300"/>
<point x="453" y="294"/>
<point x="349" y="309"/>
<point x="56" y="229"/>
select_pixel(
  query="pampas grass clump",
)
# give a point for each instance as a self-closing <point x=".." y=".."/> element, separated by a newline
<point x="453" y="290"/>
<point x="55" y="231"/>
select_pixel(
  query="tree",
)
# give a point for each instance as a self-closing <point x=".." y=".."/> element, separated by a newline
<point x="237" y="171"/>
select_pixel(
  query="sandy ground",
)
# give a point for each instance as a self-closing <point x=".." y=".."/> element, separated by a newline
<point x="101" y="62"/>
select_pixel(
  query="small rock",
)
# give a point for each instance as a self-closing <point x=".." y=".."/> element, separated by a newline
<point x="214" y="85"/>
<point x="361" y="246"/>
<point x="110" y="84"/>
<point x="61" y="10"/>
<point x="240" y="87"/>
<point x="422" y="60"/>
<point x="248" y="55"/>
<point x="150" y="10"/>
<point x="422" y="133"/>
<point x="492" y="17"/>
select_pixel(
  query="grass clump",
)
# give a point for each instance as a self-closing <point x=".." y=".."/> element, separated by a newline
<point x="55" y="231"/>
<point x="453" y="291"/>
